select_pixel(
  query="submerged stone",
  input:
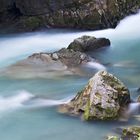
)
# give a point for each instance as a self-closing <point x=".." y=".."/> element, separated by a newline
<point x="59" y="63"/>
<point x="102" y="98"/>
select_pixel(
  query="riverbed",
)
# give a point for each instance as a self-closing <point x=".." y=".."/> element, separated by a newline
<point x="28" y="105"/>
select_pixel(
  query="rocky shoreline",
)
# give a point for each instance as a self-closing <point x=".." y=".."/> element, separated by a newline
<point x="31" y="15"/>
<point x="104" y="97"/>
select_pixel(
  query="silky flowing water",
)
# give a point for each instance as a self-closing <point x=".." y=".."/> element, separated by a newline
<point x="28" y="105"/>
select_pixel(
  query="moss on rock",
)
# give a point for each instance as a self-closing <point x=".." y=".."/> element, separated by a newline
<point x="129" y="133"/>
<point x="100" y="99"/>
<point x="87" y="111"/>
<point x="32" y="22"/>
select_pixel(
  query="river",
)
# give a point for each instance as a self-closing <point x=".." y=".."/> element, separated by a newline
<point x="22" y="119"/>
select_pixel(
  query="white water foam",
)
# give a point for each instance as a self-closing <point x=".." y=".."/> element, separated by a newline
<point x="18" y="47"/>
<point x="130" y="25"/>
<point x="38" y="102"/>
<point x="126" y="64"/>
<point x="134" y="108"/>
<point x="128" y="28"/>
<point x="14" y="102"/>
<point x="96" y="65"/>
<point x="26" y="100"/>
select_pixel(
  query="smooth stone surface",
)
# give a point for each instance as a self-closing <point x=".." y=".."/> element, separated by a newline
<point x="88" y="43"/>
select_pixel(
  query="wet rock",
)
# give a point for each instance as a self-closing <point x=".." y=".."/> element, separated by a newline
<point x="102" y="98"/>
<point x="73" y="58"/>
<point x="70" y="58"/>
<point x="60" y="63"/>
<point x="88" y="43"/>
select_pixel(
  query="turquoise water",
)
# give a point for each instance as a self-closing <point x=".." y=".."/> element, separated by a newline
<point x="24" y="119"/>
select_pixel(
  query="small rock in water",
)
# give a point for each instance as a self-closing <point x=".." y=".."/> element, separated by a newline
<point x="88" y="43"/>
<point x="130" y="133"/>
<point x="102" y="98"/>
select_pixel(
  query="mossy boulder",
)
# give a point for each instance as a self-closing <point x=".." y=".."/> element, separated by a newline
<point x="102" y="98"/>
<point x="88" y="43"/>
<point x="129" y="133"/>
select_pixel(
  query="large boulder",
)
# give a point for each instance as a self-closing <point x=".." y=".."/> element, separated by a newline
<point x="88" y="43"/>
<point x="102" y="98"/>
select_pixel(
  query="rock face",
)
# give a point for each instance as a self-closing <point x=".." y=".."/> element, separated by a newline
<point x="88" y="43"/>
<point x="28" y="15"/>
<point x="102" y="98"/>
